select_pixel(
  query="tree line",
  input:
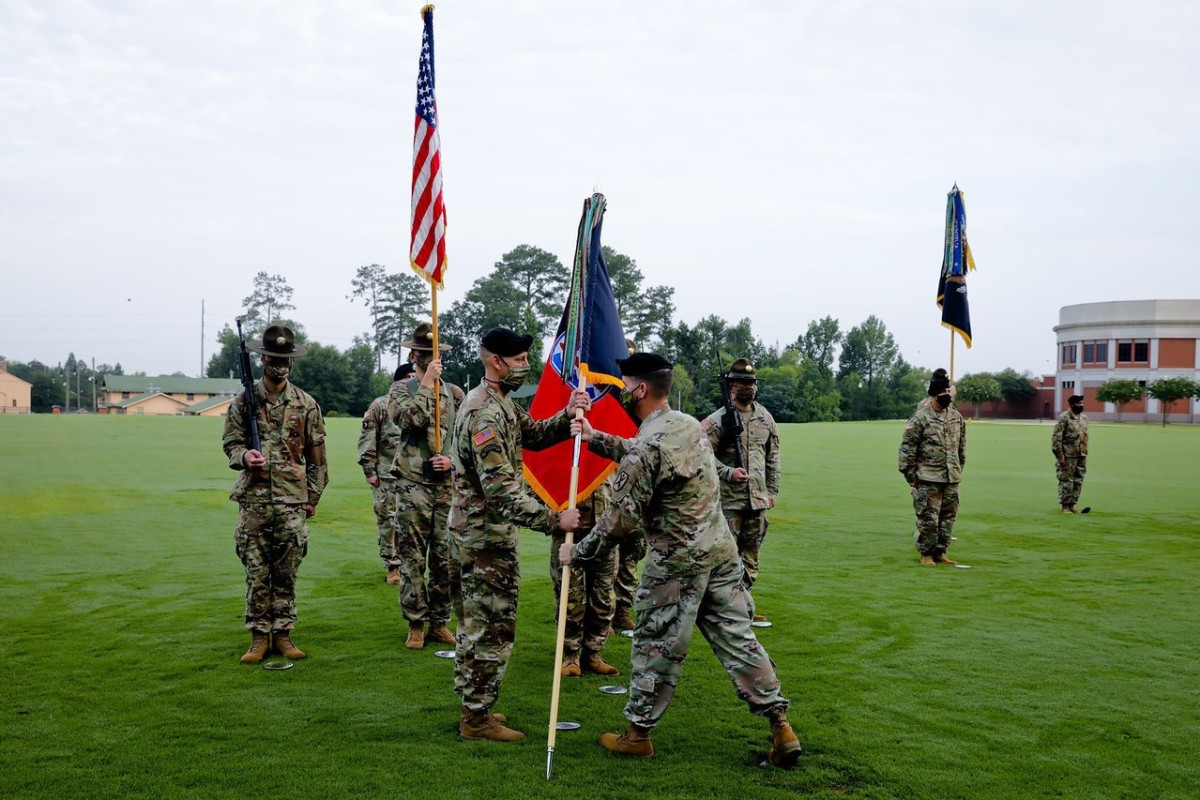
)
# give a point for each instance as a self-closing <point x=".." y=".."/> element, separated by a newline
<point x="825" y="374"/>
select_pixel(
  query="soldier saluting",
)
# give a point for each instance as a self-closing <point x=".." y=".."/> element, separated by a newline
<point x="279" y="488"/>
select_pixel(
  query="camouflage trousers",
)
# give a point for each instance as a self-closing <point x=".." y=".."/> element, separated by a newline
<point x="489" y="579"/>
<point x="423" y="548"/>
<point x="749" y="527"/>
<point x="631" y="551"/>
<point x="271" y="541"/>
<point x="936" y="505"/>
<point x="1070" y="479"/>
<point x="668" y="610"/>
<point x="590" y="598"/>
<point x="385" y="521"/>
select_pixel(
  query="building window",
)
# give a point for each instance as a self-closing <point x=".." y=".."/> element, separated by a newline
<point x="191" y="397"/>
<point x="1068" y="384"/>
<point x="1069" y="354"/>
<point x="124" y="395"/>
<point x="1136" y="351"/>
<point x="1095" y="353"/>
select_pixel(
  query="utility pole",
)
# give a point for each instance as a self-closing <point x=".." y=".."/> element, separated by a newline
<point x="78" y="396"/>
<point x="201" y="337"/>
<point x="95" y="408"/>
<point x="66" y="390"/>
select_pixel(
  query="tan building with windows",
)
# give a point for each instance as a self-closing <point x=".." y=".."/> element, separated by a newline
<point x="167" y="395"/>
<point x="16" y="395"/>
<point x="1141" y="340"/>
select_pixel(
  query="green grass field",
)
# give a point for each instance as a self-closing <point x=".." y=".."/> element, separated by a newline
<point x="1063" y="664"/>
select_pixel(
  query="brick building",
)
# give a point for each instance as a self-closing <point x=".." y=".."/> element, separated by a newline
<point x="1141" y="340"/>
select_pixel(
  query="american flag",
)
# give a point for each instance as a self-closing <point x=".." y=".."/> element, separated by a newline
<point x="428" y="254"/>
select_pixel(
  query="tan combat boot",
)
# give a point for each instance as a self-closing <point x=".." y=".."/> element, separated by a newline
<point x="633" y="742"/>
<point x="592" y="662"/>
<point x="438" y="632"/>
<point x="622" y="621"/>
<point x="416" y="636"/>
<point x="485" y="725"/>
<point x="759" y="618"/>
<point x="570" y="666"/>
<point x="785" y="747"/>
<point x="285" y="647"/>
<point x="393" y="576"/>
<point x="927" y="561"/>
<point x="260" y="643"/>
<point x="942" y="559"/>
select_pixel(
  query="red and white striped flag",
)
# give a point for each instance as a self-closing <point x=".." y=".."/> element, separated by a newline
<point x="428" y="253"/>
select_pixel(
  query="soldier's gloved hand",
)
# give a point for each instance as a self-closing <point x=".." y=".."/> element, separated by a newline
<point x="582" y="428"/>
<point x="740" y="475"/>
<point x="568" y="520"/>
<point x="253" y="459"/>
<point x="309" y="510"/>
<point x="564" y="553"/>
<point x="440" y="463"/>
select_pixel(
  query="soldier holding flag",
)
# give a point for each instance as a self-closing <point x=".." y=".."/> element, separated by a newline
<point x="490" y="506"/>
<point x="667" y="485"/>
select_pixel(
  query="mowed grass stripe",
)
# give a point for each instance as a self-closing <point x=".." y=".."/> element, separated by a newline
<point x="1061" y="665"/>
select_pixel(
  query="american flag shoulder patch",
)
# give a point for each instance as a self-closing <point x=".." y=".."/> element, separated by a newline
<point x="483" y="436"/>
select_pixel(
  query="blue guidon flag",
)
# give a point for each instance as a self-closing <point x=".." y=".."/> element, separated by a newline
<point x="956" y="262"/>
<point x="588" y="343"/>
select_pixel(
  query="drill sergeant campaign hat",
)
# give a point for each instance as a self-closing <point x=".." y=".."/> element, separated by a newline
<point x="422" y="340"/>
<point x="506" y="343"/>
<point x="639" y="364"/>
<point x="742" y="370"/>
<point x="279" y="342"/>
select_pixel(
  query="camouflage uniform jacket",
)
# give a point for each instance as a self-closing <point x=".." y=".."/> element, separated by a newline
<point x="1070" y="439"/>
<point x="934" y="445"/>
<point x="666" y="485"/>
<point x="491" y="501"/>
<point x="292" y="433"/>
<point x="760" y="448"/>
<point x="410" y="410"/>
<point x="379" y="437"/>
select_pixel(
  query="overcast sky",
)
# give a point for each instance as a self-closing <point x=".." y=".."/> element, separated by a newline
<point x="781" y="161"/>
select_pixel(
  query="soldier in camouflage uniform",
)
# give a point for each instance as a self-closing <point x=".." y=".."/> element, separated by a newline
<point x="747" y="491"/>
<point x="279" y="488"/>
<point x="667" y="485"/>
<point x="376" y="449"/>
<point x="1070" y="446"/>
<point x="423" y="491"/>
<point x="591" y="595"/>
<point x="491" y="504"/>
<point x="932" y="454"/>
<point x="630" y="553"/>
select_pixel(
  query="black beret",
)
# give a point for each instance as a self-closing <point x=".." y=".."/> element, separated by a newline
<point x="506" y="343"/>
<point x="939" y="383"/>
<point x="403" y="371"/>
<point x="639" y="364"/>
<point x="1075" y="398"/>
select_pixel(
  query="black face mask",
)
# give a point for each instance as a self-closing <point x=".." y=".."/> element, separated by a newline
<point x="943" y="400"/>
<point x="1077" y="409"/>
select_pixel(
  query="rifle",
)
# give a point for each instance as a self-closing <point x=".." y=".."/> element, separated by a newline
<point x="731" y="423"/>
<point x="248" y="384"/>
